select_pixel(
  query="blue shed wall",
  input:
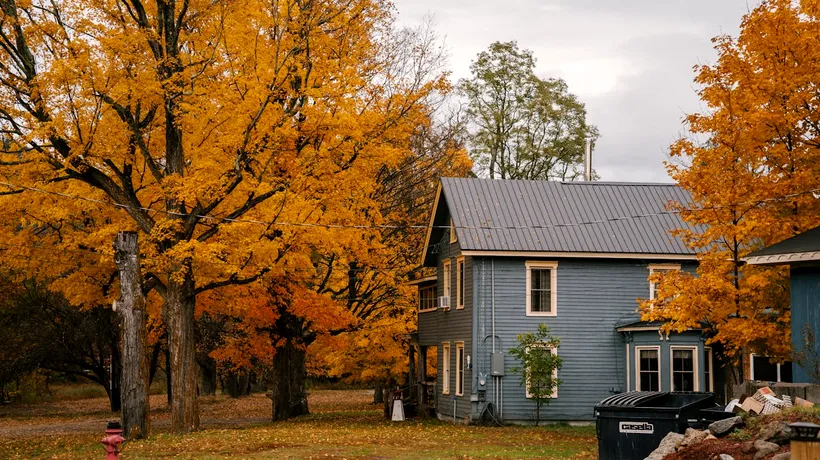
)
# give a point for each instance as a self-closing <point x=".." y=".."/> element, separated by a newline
<point x="805" y="309"/>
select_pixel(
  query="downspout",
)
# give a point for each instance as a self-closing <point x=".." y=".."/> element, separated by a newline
<point x="492" y="295"/>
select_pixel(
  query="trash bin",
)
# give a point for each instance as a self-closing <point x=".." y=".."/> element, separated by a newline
<point x="713" y="414"/>
<point x="631" y="425"/>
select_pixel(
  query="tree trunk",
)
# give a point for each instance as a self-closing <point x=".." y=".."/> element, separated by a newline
<point x="237" y="384"/>
<point x="378" y="393"/>
<point x="180" y="301"/>
<point x="208" y="377"/>
<point x="131" y="306"/>
<point x="114" y="391"/>
<point x="169" y="392"/>
<point x="289" y="395"/>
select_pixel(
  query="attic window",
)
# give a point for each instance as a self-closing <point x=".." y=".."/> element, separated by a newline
<point x="453" y="236"/>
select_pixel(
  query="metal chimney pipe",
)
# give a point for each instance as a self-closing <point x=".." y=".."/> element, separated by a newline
<point x="588" y="160"/>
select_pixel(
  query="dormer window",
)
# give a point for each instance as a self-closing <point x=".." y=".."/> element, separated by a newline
<point x="453" y="236"/>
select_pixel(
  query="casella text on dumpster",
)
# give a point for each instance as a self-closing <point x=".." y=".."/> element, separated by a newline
<point x="636" y="427"/>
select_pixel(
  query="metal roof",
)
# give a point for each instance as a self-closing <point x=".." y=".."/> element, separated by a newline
<point x="804" y="247"/>
<point x="571" y="217"/>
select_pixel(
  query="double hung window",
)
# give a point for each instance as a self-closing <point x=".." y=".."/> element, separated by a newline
<point x="648" y="368"/>
<point x="542" y="284"/>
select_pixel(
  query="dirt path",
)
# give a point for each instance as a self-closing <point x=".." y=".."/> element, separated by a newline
<point x="97" y="425"/>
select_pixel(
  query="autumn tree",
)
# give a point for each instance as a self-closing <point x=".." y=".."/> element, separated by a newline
<point x="231" y="134"/>
<point x="385" y="307"/>
<point x="364" y="278"/>
<point x="750" y="165"/>
<point x="523" y="126"/>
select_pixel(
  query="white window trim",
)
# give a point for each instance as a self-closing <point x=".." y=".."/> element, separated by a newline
<point x="460" y="273"/>
<point x="460" y="372"/>
<point x="627" y="367"/>
<point x="638" y="366"/>
<point x="710" y="385"/>
<point x="453" y="236"/>
<point x="445" y="368"/>
<point x="446" y="278"/>
<point x="554" y="394"/>
<point x="695" y="366"/>
<point x="752" y="367"/>
<point x="553" y="267"/>
<point x="435" y="299"/>
<point x="659" y="268"/>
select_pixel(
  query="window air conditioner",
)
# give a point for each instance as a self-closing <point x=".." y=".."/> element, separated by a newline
<point x="444" y="302"/>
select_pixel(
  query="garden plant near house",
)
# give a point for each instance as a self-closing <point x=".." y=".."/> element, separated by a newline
<point x="538" y="354"/>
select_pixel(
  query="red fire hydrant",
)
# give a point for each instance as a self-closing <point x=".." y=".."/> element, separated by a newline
<point x="112" y="440"/>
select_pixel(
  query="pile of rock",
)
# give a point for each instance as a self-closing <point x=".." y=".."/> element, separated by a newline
<point x="768" y="440"/>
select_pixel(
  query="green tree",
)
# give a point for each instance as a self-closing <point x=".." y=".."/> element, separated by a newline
<point x="538" y="353"/>
<point x="522" y="126"/>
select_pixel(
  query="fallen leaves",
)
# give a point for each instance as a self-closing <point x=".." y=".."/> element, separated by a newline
<point x="342" y="424"/>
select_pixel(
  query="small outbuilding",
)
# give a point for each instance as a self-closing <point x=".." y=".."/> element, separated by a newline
<point x="802" y="254"/>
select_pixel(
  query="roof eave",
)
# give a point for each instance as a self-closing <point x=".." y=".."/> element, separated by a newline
<point x="425" y="250"/>
<point x="580" y="255"/>
<point x="783" y="259"/>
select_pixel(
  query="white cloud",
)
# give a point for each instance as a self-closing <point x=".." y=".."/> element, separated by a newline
<point x="629" y="60"/>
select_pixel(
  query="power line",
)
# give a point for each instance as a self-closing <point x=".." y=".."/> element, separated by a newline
<point x="406" y="226"/>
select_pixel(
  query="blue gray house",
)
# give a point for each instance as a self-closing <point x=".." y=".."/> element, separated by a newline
<point x="802" y="254"/>
<point x="510" y="254"/>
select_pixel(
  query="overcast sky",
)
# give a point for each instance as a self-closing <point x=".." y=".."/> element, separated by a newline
<point x="629" y="61"/>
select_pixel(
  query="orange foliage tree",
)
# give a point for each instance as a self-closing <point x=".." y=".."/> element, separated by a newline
<point x="751" y="179"/>
<point x="229" y="133"/>
<point x="385" y="308"/>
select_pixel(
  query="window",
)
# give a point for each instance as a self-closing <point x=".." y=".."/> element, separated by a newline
<point x="656" y="268"/>
<point x="427" y="298"/>
<point x="707" y="369"/>
<point x="445" y="368"/>
<point x="554" y="394"/>
<point x="648" y="369"/>
<point x="542" y="292"/>
<point x="453" y="236"/>
<point x="684" y="369"/>
<point x="459" y="368"/>
<point x="446" y="273"/>
<point x="764" y="370"/>
<point x="460" y="282"/>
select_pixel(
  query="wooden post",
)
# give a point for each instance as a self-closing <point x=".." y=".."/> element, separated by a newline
<point x="131" y="308"/>
<point x="805" y="450"/>
<point x="422" y="374"/>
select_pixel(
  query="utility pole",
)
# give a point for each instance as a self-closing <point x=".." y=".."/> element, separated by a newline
<point x="131" y="309"/>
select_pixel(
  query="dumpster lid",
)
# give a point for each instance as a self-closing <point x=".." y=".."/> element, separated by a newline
<point x="630" y="398"/>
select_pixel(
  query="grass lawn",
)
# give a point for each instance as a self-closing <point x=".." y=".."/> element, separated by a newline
<point x="342" y="425"/>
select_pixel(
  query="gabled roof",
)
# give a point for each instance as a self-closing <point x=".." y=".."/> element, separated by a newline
<point x="804" y="247"/>
<point x="594" y="218"/>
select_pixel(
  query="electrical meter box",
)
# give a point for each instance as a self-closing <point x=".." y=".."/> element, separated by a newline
<point x="497" y="364"/>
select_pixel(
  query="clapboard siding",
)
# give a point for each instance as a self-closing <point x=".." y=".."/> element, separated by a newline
<point x="805" y="292"/>
<point x="451" y="326"/>
<point x="593" y="295"/>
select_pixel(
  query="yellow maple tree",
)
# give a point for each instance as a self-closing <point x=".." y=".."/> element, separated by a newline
<point x="231" y="134"/>
<point x="752" y="167"/>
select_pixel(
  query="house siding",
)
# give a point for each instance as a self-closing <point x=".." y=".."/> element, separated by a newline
<point x="805" y="309"/>
<point x="593" y="295"/>
<point x="455" y="325"/>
